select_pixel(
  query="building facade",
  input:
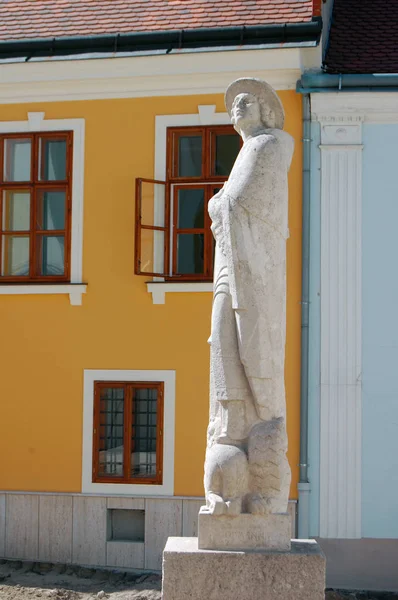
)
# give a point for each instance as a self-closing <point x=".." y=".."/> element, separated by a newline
<point x="105" y="291"/>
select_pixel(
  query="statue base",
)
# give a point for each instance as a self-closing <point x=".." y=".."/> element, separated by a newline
<point x="244" y="531"/>
<point x="202" y="574"/>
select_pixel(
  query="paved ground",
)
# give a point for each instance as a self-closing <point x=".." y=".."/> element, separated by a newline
<point x="29" y="581"/>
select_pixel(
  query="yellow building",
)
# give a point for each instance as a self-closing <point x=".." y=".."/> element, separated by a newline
<point x="104" y="379"/>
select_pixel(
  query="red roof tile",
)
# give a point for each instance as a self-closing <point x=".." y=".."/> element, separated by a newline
<point x="363" y="37"/>
<point x="22" y="19"/>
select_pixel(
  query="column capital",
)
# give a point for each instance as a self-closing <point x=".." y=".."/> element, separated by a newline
<point x="340" y="129"/>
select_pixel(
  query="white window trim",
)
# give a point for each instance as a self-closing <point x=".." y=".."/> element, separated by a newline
<point x="158" y="289"/>
<point x="167" y="487"/>
<point x="37" y="123"/>
<point x="206" y="115"/>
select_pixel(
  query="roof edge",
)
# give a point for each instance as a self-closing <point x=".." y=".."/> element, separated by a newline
<point x="311" y="83"/>
<point x="291" y="33"/>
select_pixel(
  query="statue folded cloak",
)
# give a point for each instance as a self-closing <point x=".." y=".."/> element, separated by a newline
<point x="250" y="225"/>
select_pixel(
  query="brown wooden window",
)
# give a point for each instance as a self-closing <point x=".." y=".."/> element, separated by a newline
<point x="35" y="206"/>
<point x="128" y="436"/>
<point x="173" y="236"/>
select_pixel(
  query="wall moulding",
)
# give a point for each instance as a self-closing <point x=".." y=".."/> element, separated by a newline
<point x="37" y="122"/>
<point x="206" y="115"/>
<point x="160" y="289"/>
<point x="344" y="130"/>
<point x="75" y="291"/>
<point x="370" y="107"/>
<point x="167" y="487"/>
<point x="137" y="76"/>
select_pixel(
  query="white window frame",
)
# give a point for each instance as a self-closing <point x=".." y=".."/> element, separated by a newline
<point x="37" y="123"/>
<point x="167" y="487"/>
<point x="206" y="115"/>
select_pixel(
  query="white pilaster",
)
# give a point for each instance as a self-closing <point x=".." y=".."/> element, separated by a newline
<point x="340" y="377"/>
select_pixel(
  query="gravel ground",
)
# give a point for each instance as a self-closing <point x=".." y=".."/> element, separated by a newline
<point x="28" y="581"/>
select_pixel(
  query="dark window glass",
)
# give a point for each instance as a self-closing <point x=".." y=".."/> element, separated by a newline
<point x="190" y="156"/>
<point x="226" y="151"/>
<point x="143" y="440"/>
<point x="190" y="253"/>
<point x="51" y="253"/>
<point x="52" y="159"/>
<point x="111" y="440"/>
<point x="191" y="203"/>
<point x="51" y="209"/>
<point x="17" y="159"/>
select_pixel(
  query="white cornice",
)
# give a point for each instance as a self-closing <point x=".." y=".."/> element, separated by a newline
<point x="160" y="75"/>
<point x="371" y="107"/>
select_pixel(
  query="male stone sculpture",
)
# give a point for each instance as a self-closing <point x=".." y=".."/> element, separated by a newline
<point x="247" y="475"/>
<point x="246" y="469"/>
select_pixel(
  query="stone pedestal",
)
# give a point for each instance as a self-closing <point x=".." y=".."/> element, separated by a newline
<point x="188" y="572"/>
<point x="243" y="532"/>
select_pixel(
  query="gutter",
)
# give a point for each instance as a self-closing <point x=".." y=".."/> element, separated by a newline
<point x="312" y="83"/>
<point x="213" y="37"/>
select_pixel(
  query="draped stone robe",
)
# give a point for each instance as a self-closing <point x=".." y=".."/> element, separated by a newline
<point x="250" y="225"/>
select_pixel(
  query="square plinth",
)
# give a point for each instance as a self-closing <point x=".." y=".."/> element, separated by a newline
<point x="223" y="575"/>
<point x="244" y="532"/>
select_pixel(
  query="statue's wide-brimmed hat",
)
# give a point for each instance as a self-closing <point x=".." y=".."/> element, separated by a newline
<point x="272" y="113"/>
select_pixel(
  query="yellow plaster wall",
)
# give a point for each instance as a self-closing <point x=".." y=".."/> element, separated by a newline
<point x="46" y="343"/>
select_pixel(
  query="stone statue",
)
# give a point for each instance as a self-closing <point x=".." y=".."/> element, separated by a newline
<point x="246" y="469"/>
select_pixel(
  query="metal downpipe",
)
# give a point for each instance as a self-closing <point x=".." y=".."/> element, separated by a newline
<point x="304" y="485"/>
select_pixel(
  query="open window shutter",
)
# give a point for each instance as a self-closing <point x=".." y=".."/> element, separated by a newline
<point x="152" y="228"/>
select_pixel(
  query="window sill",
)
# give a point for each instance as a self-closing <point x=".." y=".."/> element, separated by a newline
<point x="74" y="290"/>
<point x="159" y="289"/>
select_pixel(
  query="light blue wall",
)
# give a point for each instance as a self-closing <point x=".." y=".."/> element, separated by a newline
<point x="314" y="331"/>
<point x="380" y="332"/>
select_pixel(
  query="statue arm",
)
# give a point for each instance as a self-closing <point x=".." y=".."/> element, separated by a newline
<point x="254" y="173"/>
<point x="217" y="220"/>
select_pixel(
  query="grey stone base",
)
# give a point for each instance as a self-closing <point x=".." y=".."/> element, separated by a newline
<point x="243" y="532"/>
<point x="221" y="575"/>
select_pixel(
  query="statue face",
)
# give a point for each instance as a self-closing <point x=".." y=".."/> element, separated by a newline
<point x="245" y="112"/>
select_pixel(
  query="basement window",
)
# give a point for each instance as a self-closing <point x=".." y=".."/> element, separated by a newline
<point x="125" y="525"/>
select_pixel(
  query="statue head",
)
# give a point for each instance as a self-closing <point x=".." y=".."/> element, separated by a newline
<point x="253" y="102"/>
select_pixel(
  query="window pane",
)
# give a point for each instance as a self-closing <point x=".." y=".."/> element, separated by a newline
<point x="15" y="255"/>
<point x="190" y="253"/>
<point x="190" y="156"/>
<point x="51" y="209"/>
<point x="17" y="159"/>
<point x="52" y="159"/>
<point x="152" y="251"/>
<point x="51" y="254"/>
<point x="227" y="149"/>
<point x="143" y="435"/>
<point x="153" y="204"/>
<point x="16" y="210"/>
<point x="191" y="208"/>
<point x="111" y="428"/>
